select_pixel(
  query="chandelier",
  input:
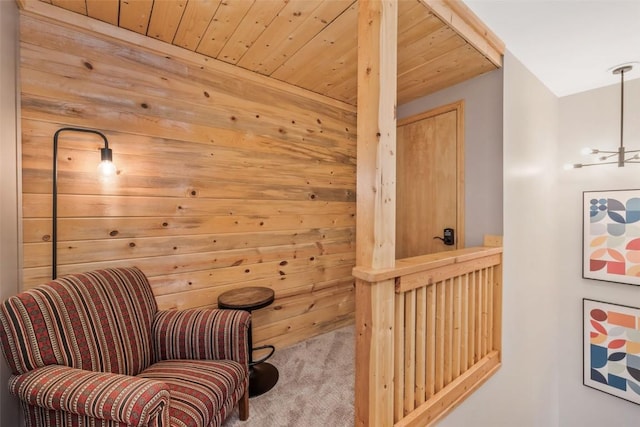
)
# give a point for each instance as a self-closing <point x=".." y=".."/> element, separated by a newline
<point x="621" y="155"/>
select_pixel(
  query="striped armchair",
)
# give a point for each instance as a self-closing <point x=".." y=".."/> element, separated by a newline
<point x="92" y="349"/>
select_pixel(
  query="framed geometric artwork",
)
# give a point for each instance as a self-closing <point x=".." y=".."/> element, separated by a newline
<point x="611" y="236"/>
<point x="612" y="349"/>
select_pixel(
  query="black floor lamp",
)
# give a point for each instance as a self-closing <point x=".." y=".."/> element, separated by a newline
<point x="106" y="168"/>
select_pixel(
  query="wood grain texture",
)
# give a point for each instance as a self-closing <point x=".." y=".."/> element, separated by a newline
<point x="134" y="15"/>
<point x="257" y="19"/>
<point x="457" y="15"/>
<point x="308" y="43"/>
<point x="165" y="19"/>
<point x="409" y="361"/>
<point x="398" y="368"/>
<point x="296" y="24"/>
<point x="104" y="10"/>
<point x="223" y="182"/>
<point x="195" y="19"/>
<point x="224" y="23"/>
<point x="376" y="169"/>
<point x="77" y="6"/>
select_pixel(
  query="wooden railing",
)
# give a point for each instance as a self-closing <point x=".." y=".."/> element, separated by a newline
<point x="446" y="332"/>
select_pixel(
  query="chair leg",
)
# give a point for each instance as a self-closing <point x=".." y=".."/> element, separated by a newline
<point x="243" y="406"/>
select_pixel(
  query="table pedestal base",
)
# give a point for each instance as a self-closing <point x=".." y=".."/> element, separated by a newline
<point x="262" y="378"/>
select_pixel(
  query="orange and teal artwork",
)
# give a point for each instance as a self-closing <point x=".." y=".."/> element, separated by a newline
<point x="611" y="240"/>
<point x="612" y="349"/>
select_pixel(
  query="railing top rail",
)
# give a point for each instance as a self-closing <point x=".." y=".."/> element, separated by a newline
<point x="417" y="264"/>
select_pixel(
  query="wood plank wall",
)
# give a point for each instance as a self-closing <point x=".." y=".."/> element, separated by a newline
<point x="224" y="180"/>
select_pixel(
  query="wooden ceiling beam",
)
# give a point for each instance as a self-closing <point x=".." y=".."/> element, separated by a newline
<point x="462" y="20"/>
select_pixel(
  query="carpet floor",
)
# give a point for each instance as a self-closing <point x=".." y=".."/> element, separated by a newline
<point x="315" y="388"/>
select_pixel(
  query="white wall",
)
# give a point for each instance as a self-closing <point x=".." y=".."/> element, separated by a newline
<point x="540" y="383"/>
<point x="590" y="119"/>
<point x="524" y="391"/>
<point x="483" y="144"/>
<point x="9" y="414"/>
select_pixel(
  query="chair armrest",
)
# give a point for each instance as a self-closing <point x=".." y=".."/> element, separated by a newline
<point x="103" y="395"/>
<point x="201" y="334"/>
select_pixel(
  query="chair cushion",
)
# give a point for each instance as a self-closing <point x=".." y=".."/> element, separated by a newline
<point x="199" y="389"/>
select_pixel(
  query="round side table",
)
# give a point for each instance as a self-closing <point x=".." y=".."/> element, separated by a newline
<point x="262" y="375"/>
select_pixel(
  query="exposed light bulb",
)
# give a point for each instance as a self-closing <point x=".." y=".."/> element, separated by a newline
<point x="586" y="151"/>
<point x="106" y="168"/>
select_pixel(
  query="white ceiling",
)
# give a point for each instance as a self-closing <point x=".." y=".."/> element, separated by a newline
<point x="570" y="45"/>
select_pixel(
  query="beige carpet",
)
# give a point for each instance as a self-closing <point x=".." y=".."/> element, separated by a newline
<point x="315" y="388"/>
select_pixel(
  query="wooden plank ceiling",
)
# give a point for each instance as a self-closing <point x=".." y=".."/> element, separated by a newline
<point x="307" y="43"/>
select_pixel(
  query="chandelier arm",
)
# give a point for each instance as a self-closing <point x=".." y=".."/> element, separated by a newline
<point x="600" y="163"/>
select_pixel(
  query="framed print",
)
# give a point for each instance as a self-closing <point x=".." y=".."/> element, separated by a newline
<point x="611" y="353"/>
<point x="611" y="236"/>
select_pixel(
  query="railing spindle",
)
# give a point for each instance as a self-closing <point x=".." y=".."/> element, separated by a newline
<point x="457" y="321"/>
<point x="448" y="331"/>
<point x="398" y="368"/>
<point x="464" y="336"/>
<point x="431" y="341"/>
<point x="490" y="306"/>
<point x="440" y="335"/>
<point x="421" y="336"/>
<point x="409" y="351"/>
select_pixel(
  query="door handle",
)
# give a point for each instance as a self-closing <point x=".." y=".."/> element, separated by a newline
<point x="448" y="238"/>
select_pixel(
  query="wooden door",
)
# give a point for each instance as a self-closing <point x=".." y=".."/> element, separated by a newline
<point x="430" y="181"/>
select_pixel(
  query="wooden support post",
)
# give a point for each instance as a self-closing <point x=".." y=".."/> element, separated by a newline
<point x="375" y="237"/>
<point x="374" y="353"/>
